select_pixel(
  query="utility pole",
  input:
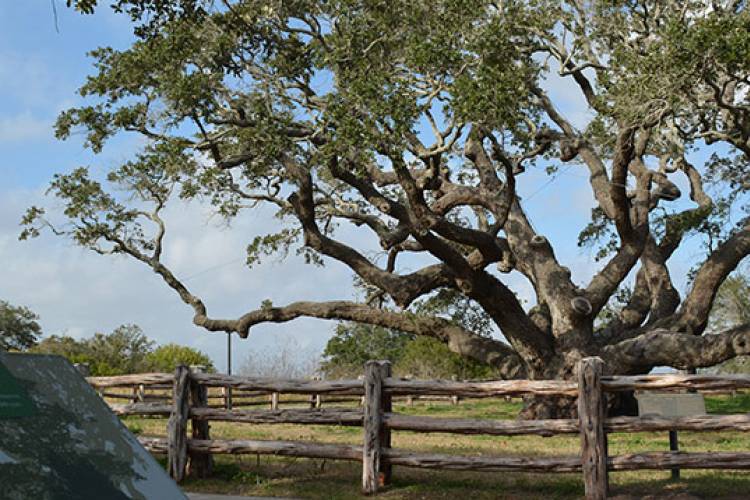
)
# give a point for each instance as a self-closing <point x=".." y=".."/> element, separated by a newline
<point x="229" y="370"/>
<point x="229" y="353"/>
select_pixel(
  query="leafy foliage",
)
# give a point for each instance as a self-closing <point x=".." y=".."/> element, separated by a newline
<point x="732" y="308"/>
<point x="125" y="350"/>
<point x="459" y="309"/>
<point x="426" y="357"/>
<point x="167" y="357"/>
<point x="19" y="329"/>
<point x="353" y="344"/>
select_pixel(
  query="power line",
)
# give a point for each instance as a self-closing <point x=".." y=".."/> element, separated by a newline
<point x="213" y="268"/>
<point x="546" y="184"/>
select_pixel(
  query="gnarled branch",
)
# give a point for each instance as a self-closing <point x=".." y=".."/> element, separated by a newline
<point x="459" y="340"/>
<point x="678" y="350"/>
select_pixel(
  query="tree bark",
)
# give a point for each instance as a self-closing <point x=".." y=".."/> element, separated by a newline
<point x="593" y="439"/>
<point x="201" y="464"/>
<point x="177" y="425"/>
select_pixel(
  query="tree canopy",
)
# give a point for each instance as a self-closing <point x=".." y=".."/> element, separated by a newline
<point x="19" y="329"/>
<point x="415" y="121"/>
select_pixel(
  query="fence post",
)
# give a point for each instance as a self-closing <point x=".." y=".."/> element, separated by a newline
<point x="454" y="399"/>
<point x="375" y="472"/>
<point x="201" y="464"/>
<point x="226" y="395"/>
<point x="386" y="468"/>
<point x="177" y="425"/>
<point x="275" y="401"/>
<point x="593" y="438"/>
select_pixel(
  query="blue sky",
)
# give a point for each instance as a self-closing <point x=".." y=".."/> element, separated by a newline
<point x="77" y="292"/>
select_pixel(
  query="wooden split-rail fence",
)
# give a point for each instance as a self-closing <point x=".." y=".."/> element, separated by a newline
<point x="160" y="394"/>
<point x="191" y="453"/>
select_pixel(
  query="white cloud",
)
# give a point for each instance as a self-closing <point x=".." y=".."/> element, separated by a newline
<point x="78" y="292"/>
<point x="24" y="127"/>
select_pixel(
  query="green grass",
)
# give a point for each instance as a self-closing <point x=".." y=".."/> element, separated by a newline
<point x="306" y="478"/>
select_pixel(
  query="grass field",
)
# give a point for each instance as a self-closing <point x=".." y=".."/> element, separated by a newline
<point x="306" y="478"/>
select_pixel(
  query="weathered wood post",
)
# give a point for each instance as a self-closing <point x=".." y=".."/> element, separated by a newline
<point x="177" y="425"/>
<point x="201" y="464"/>
<point x="362" y="399"/>
<point x="275" y="401"/>
<point x="313" y="399"/>
<point x="375" y="472"/>
<point x="454" y="399"/>
<point x="226" y="396"/>
<point x="593" y="438"/>
<point x="386" y="469"/>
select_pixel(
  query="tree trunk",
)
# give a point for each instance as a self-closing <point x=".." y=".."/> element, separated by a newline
<point x="546" y="407"/>
<point x="554" y="407"/>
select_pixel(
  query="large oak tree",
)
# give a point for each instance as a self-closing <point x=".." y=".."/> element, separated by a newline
<point x="416" y="120"/>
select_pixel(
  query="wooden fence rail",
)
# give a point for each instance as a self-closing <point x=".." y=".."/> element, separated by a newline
<point x="189" y="399"/>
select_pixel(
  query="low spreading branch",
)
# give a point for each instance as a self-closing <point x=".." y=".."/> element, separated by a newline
<point x="677" y="349"/>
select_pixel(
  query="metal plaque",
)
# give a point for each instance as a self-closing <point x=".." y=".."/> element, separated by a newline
<point x="71" y="446"/>
<point x="671" y="405"/>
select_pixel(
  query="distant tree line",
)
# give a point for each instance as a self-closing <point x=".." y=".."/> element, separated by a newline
<point x="410" y="355"/>
<point x="125" y="350"/>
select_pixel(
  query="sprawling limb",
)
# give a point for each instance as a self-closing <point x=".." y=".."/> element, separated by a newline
<point x="693" y="314"/>
<point x="466" y="271"/>
<point x="633" y="240"/>
<point x="459" y="340"/>
<point x="531" y="253"/>
<point x="668" y="348"/>
<point x="499" y="301"/>
<point x="654" y="295"/>
<point x="631" y="221"/>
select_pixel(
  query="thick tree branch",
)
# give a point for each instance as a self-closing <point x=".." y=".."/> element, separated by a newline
<point x="304" y="206"/>
<point x="633" y="239"/>
<point x="536" y="259"/>
<point x="654" y="296"/>
<point x="500" y="303"/>
<point x="459" y="340"/>
<point x="676" y="349"/>
<point x="693" y="314"/>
